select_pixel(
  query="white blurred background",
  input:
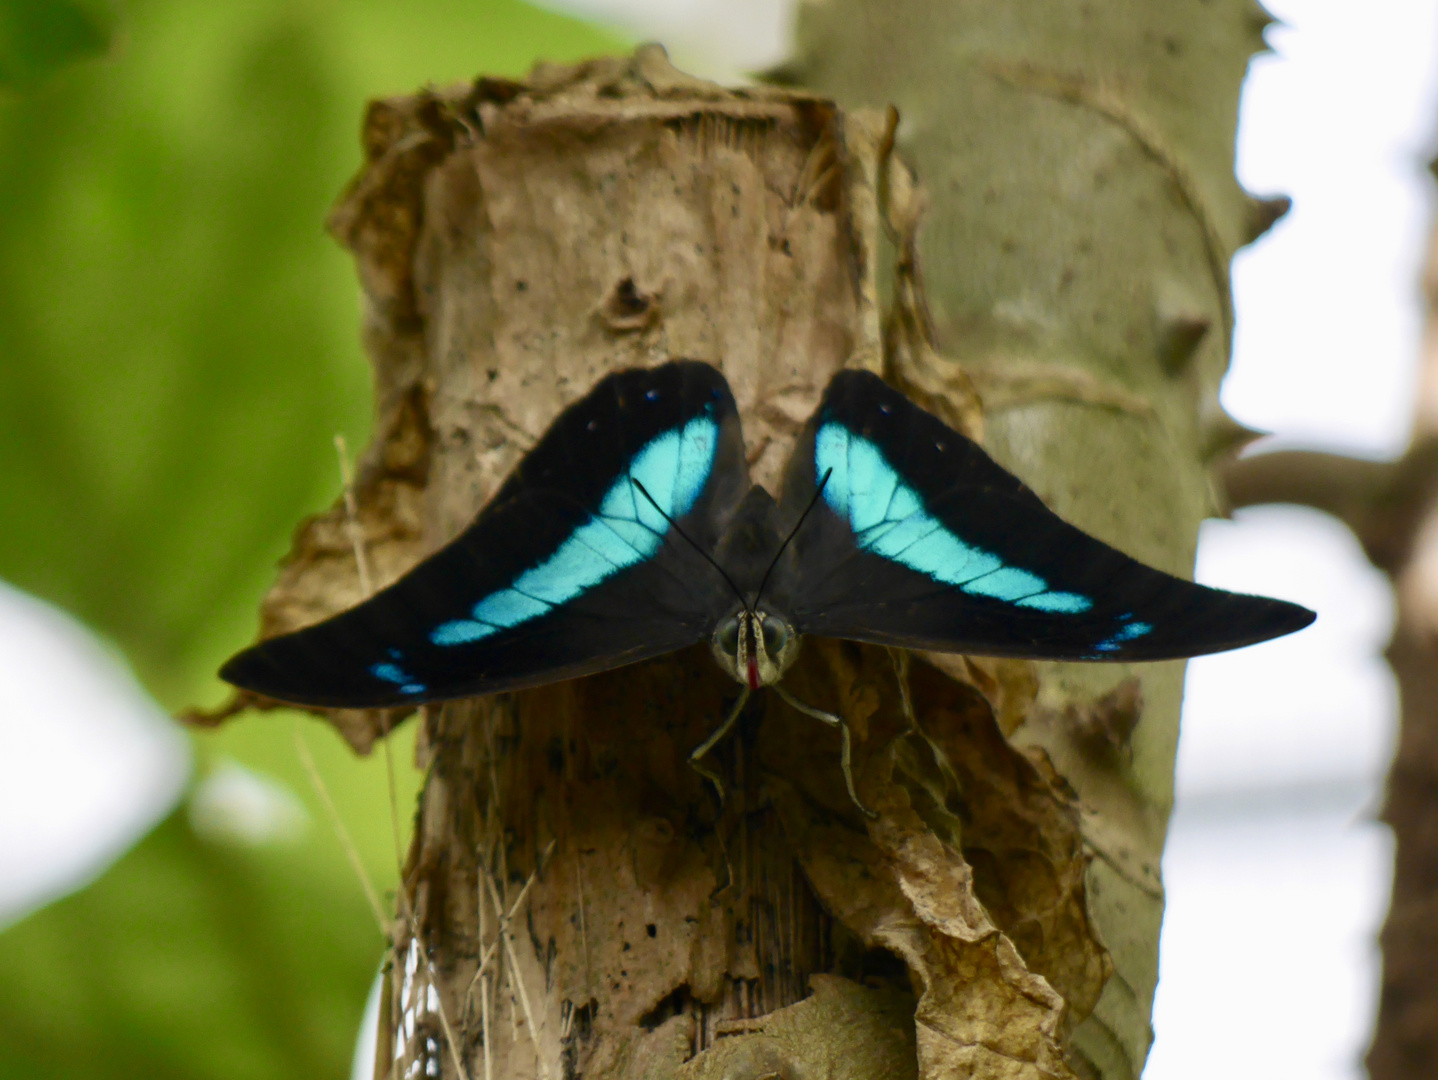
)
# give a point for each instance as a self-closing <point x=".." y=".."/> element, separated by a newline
<point x="1275" y="865"/>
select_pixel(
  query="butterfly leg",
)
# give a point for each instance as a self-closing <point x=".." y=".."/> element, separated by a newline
<point x="713" y="741"/>
<point x="833" y="721"/>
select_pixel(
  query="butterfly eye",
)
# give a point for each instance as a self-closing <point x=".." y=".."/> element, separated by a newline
<point x="776" y="636"/>
<point x="728" y="637"/>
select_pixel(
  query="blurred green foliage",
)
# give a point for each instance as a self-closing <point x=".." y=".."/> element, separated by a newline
<point x="39" y="36"/>
<point x="178" y="347"/>
<point x="190" y="959"/>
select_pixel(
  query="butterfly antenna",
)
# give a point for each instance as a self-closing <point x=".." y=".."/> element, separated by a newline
<point x="797" y="525"/>
<point x="675" y="525"/>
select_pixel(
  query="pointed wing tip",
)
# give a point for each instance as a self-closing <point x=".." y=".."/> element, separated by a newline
<point x="250" y="670"/>
<point x="1290" y="618"/>
<point x="255" y="671"/>
<point x="1276" y="619"/>
<point x="238" y="671"/>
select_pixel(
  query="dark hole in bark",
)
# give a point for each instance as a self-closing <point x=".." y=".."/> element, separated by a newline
<point x="882" y="969"/>
<point x="876" y="967"/>
<point x="669" y="1006"/>
<point x="627" y="308"/>
<point x="627" y="300"/>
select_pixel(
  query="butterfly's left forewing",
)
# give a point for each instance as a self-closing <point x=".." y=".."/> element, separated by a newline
<point x="920" y="539"/>
<point x="572" y="568"/>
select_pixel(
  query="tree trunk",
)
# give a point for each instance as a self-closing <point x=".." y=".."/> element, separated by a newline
<point x="1083" y="213"/>
<point x="575" y="902"/>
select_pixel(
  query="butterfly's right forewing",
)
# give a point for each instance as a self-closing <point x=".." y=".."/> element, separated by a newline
<point x="570" y="569"/>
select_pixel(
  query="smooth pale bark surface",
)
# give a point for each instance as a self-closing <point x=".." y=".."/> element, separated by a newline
<point x="1078" y="162"/>
<point x="575" y="900"/>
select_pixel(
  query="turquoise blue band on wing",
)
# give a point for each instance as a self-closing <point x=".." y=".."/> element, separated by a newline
<point x="890" y="519"/>
<point x="673" y="468"/>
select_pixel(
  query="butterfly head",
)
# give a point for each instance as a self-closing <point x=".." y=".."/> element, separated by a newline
<point x="756" y="647"/>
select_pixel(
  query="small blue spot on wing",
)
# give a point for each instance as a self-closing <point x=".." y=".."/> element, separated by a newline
<point x="508" y="607"/>
<point x="1115" y="641"/>
<point x="392" y="673"/>
<point x="1064" y="603"/>
<point x="460" y="632"/>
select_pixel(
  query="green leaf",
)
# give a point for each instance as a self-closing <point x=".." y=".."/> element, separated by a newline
<point x="39" y="36"/>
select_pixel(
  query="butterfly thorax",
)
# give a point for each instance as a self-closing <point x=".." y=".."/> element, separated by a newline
<point x="756" y="647"/>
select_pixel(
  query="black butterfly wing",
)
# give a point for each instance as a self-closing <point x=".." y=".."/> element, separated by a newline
<point x="920" y="539"/>
<point x="569" y="570"/>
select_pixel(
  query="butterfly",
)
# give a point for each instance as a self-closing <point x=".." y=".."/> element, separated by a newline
<point x="632" y="530"/>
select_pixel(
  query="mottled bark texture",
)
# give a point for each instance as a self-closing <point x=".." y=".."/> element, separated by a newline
<point x="1083" y="210"/>
<point x="575" y="901"/>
